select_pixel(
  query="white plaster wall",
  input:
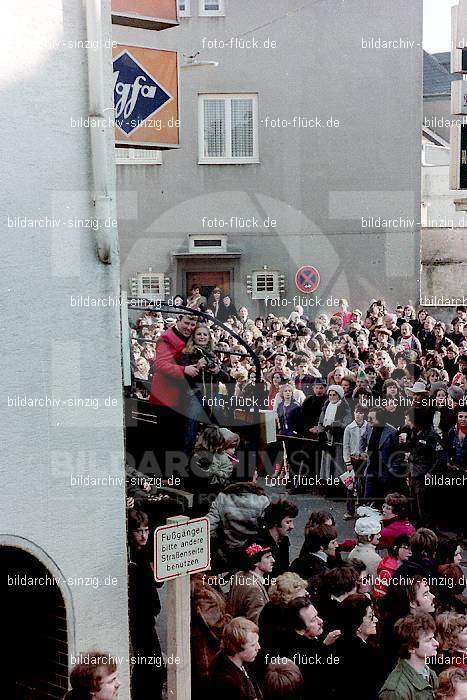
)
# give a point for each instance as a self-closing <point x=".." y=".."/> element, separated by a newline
<point x="50" y="348"/>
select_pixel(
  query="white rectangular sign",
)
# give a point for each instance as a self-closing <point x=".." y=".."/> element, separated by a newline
<point x="181" y="549"/>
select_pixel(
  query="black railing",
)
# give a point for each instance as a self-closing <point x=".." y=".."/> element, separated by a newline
<point x="165" y="307"/>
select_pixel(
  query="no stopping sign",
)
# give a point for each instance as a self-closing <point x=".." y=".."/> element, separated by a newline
<point x="307" y="279"/>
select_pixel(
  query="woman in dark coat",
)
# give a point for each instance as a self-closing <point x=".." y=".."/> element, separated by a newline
<point x="355" y="650"/>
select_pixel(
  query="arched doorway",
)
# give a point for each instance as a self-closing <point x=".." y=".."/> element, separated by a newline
<point x="36" y="665"/>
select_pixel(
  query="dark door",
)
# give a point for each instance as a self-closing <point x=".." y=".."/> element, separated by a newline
<point x="207" y="281"/>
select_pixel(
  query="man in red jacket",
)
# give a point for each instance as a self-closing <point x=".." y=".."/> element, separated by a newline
<point x="168" y="389"/>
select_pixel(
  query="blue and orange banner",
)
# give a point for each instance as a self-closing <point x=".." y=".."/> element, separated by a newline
<point x="146" y="98"/>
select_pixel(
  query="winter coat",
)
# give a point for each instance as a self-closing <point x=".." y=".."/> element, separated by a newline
<point x="211" y="469"/>
<point x="208" y="619"/>
<point x="367" y="554"/>
<point x="351" y="442"/>
<point x="168" y="382"/>
<point x="342" y="419"/>
<point x="388" y="442"/>
<point x="425" y="458"/>
<point x="290" y="419"/>
<point x="234" y="516"/>
<point x="404" y="683"/>
<point x="311" y="568"/>
<point x="247" y="596"/>
<point x="228" y="682"/>
<point x="353" y="654"/>
<point x="394" y="529"/>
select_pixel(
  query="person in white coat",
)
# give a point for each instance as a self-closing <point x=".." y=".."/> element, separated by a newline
<point x="367" y="529"/>
<point x="351" y="453"/>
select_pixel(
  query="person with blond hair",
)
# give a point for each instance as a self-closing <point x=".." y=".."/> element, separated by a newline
<point x="452" y="685"/>
<point x="451" y="633"/>
<point x="230" y="674"/>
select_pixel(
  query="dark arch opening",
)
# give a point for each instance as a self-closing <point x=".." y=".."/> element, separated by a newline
<point x="36" y="643"/>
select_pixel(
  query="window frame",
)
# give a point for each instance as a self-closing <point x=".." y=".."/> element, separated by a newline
<point x="211" y="13"/>
<point x="141" y="294"/>
<point x="187" y="11"/>
<point x="261" y="296"/>
<point x="207" y="250"/>
<point x="227" y="98"/>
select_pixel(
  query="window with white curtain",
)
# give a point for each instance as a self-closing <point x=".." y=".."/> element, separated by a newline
<point x="228" y="129"/>
<point x="211" y="8"/>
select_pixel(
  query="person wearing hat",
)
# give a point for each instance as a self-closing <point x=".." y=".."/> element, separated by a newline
<point x="419" y="392"/>
<point x="334" y="418"/>
<point x="367" y="529"/>
<point x="384" y="340"/>
<point x="248" y="593"/>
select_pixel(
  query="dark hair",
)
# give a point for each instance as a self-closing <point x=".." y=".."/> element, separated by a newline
<point x="398" y="503"/>
<point x="318" y="517"/>
<point x="408" y="631"/>
<point x="136" y="519"/>
<point x="276" y="511"/>
<point x="294" y="607"/>
<point x="87" y="676"/>
<point x="399" y="542"/>
<point x="319" y="536"/>
<point x="446" y="550"/>
<point x="400" y="596"/>
<point x="352" y="610"/>
<point x="423" y="543"/>
<point x="341" y="580"/>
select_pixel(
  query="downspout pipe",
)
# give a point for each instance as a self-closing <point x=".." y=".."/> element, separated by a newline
<point x="99" y="157"/>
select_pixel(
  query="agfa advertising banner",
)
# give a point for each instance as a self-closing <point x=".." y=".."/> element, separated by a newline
<point x="148" y="14"/>
<point x="146" y="97"/>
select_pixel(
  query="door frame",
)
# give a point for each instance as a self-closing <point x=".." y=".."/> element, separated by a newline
<point x="208" y="264"/>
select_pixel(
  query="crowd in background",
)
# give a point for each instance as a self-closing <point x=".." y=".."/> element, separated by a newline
<point x="368" y="407"/>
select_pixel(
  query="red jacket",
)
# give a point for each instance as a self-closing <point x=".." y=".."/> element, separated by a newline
<point x="393" y="530"/>
<point x="168" y="382"/>
<point x="386" y="569"/>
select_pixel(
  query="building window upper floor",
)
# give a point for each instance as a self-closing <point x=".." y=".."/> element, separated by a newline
<point x="228" y="128"/>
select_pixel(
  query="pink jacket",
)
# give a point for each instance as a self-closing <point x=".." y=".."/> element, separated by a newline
<point x="393" y="530"/>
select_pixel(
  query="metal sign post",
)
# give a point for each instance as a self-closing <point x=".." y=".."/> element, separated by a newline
<point x="181" y="547"/>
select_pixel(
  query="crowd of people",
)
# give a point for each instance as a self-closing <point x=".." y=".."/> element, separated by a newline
<point x="369" y="408"/>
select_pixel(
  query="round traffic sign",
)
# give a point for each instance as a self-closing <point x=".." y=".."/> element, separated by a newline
<point x="307" y="278"/>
